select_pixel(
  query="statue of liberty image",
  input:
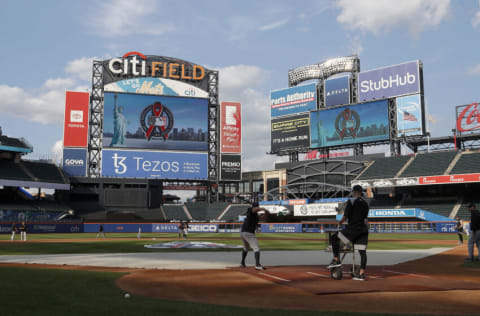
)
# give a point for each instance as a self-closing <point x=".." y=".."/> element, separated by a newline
<point x="119" y="126"/>
<point x="321" y="134"/>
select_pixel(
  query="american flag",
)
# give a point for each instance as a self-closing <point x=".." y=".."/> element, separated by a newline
<point x="409" y="117"/>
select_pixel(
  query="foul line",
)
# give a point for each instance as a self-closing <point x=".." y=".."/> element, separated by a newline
<point x="403" y="273"/>
<point x="274" y="277"/>
<point x="320" y="275"/>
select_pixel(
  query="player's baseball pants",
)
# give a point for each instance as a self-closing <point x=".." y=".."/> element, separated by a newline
<point x="474" y="239"/>
<point x="251" y="240"/>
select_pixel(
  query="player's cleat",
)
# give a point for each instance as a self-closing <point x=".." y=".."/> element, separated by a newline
<point x="360" y="277"/>
<point x="260" y="267"/>
<point x="242" y="265"/>
<point x="334" y="264"/>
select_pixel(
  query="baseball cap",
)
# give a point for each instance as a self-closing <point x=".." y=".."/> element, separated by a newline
<point x="357" y="188"/>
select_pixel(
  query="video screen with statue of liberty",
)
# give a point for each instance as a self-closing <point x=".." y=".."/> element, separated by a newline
<point x="360" y="123"/>
<point x="155" y="122"/>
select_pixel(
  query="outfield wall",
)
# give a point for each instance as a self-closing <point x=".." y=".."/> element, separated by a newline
<point x="306" y="227"/>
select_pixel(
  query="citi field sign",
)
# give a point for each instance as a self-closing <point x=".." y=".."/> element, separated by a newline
<point x="135" y="64"/>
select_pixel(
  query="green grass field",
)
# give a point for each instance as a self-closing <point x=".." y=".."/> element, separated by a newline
<point x="288" y="241"/>
<point x="34" y="291"/>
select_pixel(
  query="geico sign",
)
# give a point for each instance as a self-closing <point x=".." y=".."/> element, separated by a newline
<point x="203" y="228"/>
<point x="136" y="64"/>
<point x="74" y="162"/>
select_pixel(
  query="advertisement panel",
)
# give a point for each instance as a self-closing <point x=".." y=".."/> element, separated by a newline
<point x="388" y="82"/>
<point x="360" y="123"/>
<point x="157" y="86"/>
<point x="164" y="228"/>
<point x="454" y="178"/>
<point x="337" y="91"/>
<point x="138" y="65"/>
<point x="468" y="117"/>
<point x="231" y="128"/>
<point x="391" y="213"/>
<point x="446" y="227"/>
<point x="409" y="115"/>
<point x="75" y="161"/>
<point x="75" y="128"/>
<point x="202" y="228"/>
<point x="231" y="167"/>
<point x="293" y="100"/>
<point x="277" y="209"/>
<point x="154" y="164"/>
<point x="117" y="227"/>
<point x="317" y="209"/>
<point x="155" y="122"/>
<point x="281" y="228"/>
<point x="46" y="228"/>
<point x="290" y="132"/>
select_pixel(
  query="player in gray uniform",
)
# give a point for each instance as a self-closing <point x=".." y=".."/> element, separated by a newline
<point x="249" y="239"/>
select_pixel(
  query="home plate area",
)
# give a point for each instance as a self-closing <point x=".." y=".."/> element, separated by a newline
<point x="317" y="280"/>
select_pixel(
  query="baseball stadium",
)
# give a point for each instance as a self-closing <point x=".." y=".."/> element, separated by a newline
<point x="102" y="233"/>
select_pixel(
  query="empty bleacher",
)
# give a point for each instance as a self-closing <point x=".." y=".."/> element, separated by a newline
<point x="204" y="211"/>
<point x="468" y="163"/>
<point x="234" y="211"/>
<point x="13" y="171"/>
<point x="383" y="202"/>
<point x="384" y="168"/>
<point x="438" y="206"/>
<point x="429" y="164"/>
<point x="175" y="212"/>
<point x="45" y="172"/>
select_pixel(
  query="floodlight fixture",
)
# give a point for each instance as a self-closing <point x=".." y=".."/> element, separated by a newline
<point x="324" y="69"/>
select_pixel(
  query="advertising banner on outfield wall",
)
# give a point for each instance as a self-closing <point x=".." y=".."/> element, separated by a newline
<point x="75" y="128"/>
<point x="75" y="162"/>
<point x="337" y="91"/>
<point x="231" y="128"/>
<point x="293" y="100"/>
<point x="388" y="82"/>
<point x="276" y="209"/>
<point x="231" y="167"/>
<point x="117" y="227"/>
<point x="290" y="132"/>
<point x="155" y="122"/>
<point x="359" y="123"/>
<point x="317" y="209"/>
<point x="164" y="228"/>
<point x="281" y="228"/>
<point x="409" y="115"/>
<point x="154" y="164"/>
<point x="454" y="178"/>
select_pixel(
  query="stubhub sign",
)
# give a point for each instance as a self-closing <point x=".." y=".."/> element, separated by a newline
<point x="388" y="82"/>
<point x="154" y="164"/>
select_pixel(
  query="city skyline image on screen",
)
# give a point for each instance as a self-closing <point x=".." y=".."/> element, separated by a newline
<point x="155" y="122"/>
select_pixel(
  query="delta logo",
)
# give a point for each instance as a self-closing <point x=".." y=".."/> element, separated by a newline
<point x="137" y="64"/>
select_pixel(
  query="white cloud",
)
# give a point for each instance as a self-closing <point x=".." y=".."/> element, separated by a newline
<point x="46" y="104"/>
<point x="474" y="70"/>
<point x="59" y="83"/>
<point x="247" y="84"/>
<point x="274" y="25"/>
<point x="476" y="18"/>
<point x="57" y="151"/>
<point x="355" y="45"/>
<point x="81" y="68"/>
<point x="124" y="17"/>
<point x="383" y="15"/>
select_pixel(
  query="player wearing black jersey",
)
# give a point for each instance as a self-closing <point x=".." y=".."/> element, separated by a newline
<point x="249" y="239"/>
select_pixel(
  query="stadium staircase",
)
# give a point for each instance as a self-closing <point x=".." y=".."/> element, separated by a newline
<point x="454" y="162"/>
<point x="234" y="211"/>
<point x="468" y="162"/>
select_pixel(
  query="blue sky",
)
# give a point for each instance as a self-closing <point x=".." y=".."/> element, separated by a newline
<point x="47" y="48"/>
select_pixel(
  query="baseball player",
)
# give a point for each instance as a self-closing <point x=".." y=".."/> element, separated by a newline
<point x="183" y="229"/>
<point x="23" y="231"/>
<point x="460" y="232"/>
<point x="139" y="234"/>
<point x="14" y="230"/>
<point x="474" y="232"/>
<point x="356" y="231"/>
<point x="100" y="231"/>
<point x="249" y="239"/>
